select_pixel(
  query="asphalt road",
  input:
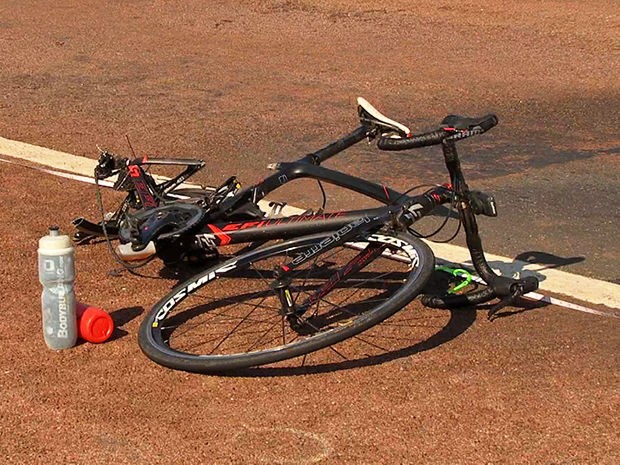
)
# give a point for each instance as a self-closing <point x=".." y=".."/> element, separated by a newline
<point x="246" y="83"/>
<point x="265" y="81"/>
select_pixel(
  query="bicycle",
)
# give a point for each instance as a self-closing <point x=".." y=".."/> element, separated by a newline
<point x="334" y="275"/>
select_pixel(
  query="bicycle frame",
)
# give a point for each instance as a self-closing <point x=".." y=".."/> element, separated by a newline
<point x="297" y="276"/>
<point x="234" y="217"/>
<point x="220" y="230"/>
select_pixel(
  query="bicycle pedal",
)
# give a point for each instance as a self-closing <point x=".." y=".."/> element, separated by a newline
<point x="483" y="204"/>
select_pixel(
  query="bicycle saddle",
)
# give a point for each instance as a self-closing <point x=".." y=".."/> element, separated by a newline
<point x="369" y="114"/>
<point x="459" y="122"/>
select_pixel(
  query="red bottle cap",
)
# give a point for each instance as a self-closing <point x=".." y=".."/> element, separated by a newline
<point x="94" y="324"/>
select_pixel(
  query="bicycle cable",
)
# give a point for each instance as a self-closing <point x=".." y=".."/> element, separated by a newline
<point x="443" y="223"/>
<point x="443" y="241"/>
<point x="450" y="211"/>
<point x="324" y="202"/>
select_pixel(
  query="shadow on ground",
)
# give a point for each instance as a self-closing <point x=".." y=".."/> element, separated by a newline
<point x="460" y="321"/>
<point x="549" y="260"/>
<point x="121" y="317"/>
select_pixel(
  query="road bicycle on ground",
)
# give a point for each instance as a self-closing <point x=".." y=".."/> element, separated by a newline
<point x="304" y="282"/>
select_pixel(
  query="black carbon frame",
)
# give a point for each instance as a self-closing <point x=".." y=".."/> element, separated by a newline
<point x="220" y="230"/>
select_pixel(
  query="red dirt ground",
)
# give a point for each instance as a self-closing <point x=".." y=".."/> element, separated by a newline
<point x="243" y="84"/>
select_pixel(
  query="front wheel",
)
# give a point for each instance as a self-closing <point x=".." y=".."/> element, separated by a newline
<point x="229" y="316"/>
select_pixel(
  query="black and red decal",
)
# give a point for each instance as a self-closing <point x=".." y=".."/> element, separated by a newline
<point x="219" y="234"/>
<point x="358" y="262"/>
<point x="147" y="199"/>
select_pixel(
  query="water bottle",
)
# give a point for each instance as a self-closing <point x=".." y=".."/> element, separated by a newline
<point x="57" y="273"/>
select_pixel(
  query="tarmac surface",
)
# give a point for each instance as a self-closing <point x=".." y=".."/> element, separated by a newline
<point x="244" y="84"/>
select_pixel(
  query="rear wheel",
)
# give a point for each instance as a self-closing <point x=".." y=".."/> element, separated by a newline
<point x="229" y="316"/>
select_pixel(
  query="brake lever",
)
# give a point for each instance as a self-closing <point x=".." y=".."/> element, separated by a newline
<point x="506" y="301"/>
<point x="518" y="289"/>
<point x="107" y="165"/>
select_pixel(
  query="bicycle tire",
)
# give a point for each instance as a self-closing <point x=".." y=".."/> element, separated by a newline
<point x="407" y="262"/>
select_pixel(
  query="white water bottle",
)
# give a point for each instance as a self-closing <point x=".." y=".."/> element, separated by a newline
<point x="57" y="274"/>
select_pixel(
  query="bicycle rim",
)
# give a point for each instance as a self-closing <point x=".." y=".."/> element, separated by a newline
<point x="229" y="317"/>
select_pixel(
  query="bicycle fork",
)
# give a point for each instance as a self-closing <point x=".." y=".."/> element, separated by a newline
<point x="470" y="203"/>
<point x="293" y="311"/>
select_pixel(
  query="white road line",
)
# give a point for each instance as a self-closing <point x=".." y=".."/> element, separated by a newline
<point x="580" y="287"/>
<point x="542" y="297"/>
<point x="48" y="157"/>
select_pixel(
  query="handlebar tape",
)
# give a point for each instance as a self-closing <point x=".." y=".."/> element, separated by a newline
<point x="455" y="128"/>
<point x="415" y="141"/>
<point x="452" y="301"/>
<point x="488" y="122"/>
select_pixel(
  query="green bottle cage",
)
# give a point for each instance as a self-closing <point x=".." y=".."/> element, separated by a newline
<point x="458" y="273"/>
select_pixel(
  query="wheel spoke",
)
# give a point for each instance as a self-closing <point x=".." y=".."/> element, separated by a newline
<point x="236" y="326"/>
<point x="236" y="317"/>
